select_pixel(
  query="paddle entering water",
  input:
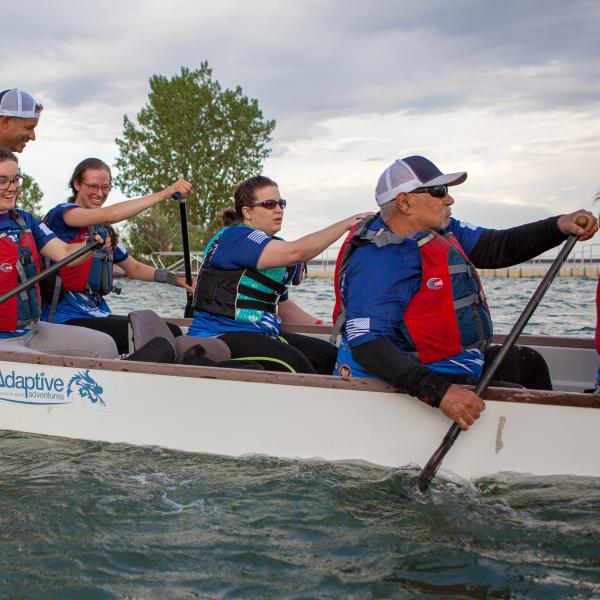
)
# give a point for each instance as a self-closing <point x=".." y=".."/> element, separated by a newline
<point x="433" y="464"/>
<point x="188" y="312"/>
<point x="89" y="247"/>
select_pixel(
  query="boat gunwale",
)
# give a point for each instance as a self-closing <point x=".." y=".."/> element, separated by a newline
<point x="514" y="395"/>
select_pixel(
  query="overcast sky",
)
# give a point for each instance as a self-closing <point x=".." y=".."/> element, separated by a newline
<point x="507" y="91"/>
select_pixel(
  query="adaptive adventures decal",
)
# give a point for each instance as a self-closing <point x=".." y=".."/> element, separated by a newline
<point x="28" y="385"/>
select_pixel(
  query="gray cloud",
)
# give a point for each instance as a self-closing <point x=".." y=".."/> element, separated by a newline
<point x="313" y="61"/>
<point x="320" y="59"/>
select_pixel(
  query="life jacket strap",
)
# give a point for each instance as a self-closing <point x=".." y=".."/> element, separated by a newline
<point x="55" y="299"/>
<point x="23" y="278"/>
<point x="467" y="301"/>
<point x="257" y="305"/>
<point x="277" y="287"/>
<point x="257" y="294"/>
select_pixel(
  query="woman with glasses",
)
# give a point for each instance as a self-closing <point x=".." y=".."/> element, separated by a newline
<point x="23" y="239"/>
<point x="77" y="297"/>
<point x="241" y="291"/>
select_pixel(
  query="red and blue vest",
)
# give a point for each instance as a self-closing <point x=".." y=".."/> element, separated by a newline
<point x="449" y="312"/>
<point x="19" y="262"/>
<point x="93" y="275"/>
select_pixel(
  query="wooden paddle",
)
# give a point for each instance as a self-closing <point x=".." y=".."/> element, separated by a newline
<point x="188" y="311"/>
<point x="433" y="464"/>
<point x="89" y="247"/>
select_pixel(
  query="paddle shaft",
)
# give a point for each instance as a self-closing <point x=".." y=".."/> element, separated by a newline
<point x="433" y="464"/>
<point x="188" y="312"/>
<point x="89" y="247"/>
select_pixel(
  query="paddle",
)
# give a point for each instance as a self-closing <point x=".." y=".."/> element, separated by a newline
<point x="188" y="312"/>
<point x="433" y="464"/>
<point x="91" y="245"/>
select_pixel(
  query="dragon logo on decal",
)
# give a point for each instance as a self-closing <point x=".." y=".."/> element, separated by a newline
<point x="86" y="387"/>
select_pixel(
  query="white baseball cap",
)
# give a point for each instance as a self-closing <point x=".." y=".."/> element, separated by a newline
<point x="409" y="174"/>
<point x="19" y="104"/>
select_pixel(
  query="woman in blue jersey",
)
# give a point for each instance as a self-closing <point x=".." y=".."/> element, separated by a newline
<point x="241" y="292"/>
<point x="78" y="297"/>
<point x="22" y="240"/>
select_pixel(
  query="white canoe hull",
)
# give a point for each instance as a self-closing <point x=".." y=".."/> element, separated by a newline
<point x="235" y="413"/>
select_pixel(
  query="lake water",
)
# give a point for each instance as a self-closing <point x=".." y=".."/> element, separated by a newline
<point x="90" y="520"/>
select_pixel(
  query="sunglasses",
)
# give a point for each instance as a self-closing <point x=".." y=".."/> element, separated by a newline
<point x="437" y="191"/>
<point x="271" y="204"/>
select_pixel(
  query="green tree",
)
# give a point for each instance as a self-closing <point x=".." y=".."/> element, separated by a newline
<point x="30" y="196"/>
<point x="193" y="128"/>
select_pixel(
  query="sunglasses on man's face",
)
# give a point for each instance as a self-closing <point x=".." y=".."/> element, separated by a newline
<point x="437" y="191"/>
<point x="271" y="204"/>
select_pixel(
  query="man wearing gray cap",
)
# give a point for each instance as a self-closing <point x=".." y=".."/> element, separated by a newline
<point x="413" y="309"/>
<point x="19" y="116"/>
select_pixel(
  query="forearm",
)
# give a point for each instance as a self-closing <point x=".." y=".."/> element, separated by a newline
<point x="496" y="249"/>
<point x="137" y="270"/>
<point x="384" y="360"/>
<point x="310" y="246"/>
<point x="130" y="208"/>
<point x="278" y="253"/>
<point x="57" y="250"/>
<point x="290" y="312"/>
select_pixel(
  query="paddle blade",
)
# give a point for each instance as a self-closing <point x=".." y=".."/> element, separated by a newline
<point x="433" y="464"/>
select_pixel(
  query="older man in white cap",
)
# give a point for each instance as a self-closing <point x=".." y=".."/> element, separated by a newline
<point x="415" y="314"/>
<point x="19" y="116"/>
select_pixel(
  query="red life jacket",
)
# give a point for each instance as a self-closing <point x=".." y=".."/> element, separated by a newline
<point x="93" y="275"/>
<point x="19" y="262"/>
<point x="448" y="314"/>
<point x="342" y="257"/>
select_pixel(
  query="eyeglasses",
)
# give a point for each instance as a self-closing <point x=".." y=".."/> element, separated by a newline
<point x="94" y="187"/>
<point x="5" y="182"/>
<point x="437" y="191"/>
<point x="271" y="204"/>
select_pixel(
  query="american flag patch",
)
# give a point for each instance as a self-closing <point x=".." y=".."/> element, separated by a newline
<point x="357" y="327"/>
<point x="257" y="237"/>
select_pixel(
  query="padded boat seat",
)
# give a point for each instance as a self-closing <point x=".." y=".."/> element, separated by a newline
<point x="145" y="325"/>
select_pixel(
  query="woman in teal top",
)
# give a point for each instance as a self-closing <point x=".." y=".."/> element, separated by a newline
<point x="241" y="292"/>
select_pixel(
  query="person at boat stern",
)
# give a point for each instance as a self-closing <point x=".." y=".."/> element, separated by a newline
<point x="19" y="116"/>
<point x="241" y="291"/>
<point x="22" y="240"/>
<point x="77" y="295"/>
<point x="413" y="309"/>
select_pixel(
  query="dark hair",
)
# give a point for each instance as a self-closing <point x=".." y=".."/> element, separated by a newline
<point x="81" y="168"/>
<point x="6" y="154"/>
<point x="244" y="196"/>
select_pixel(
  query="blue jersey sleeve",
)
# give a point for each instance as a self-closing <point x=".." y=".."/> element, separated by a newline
<point x="120" y="253"/>
<point x="239" y="247"/>
<point x="55" y="220"/>
<point x="42" y="234"/>
<point x="467" y="235"/>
